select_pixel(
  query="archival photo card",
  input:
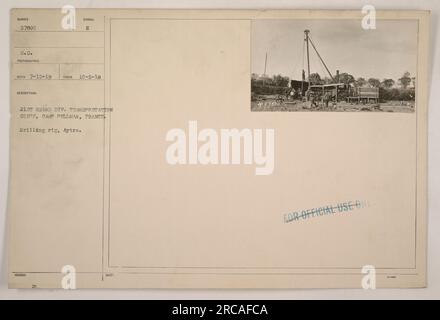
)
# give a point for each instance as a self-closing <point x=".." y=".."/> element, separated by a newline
<point x="137" y="160"/>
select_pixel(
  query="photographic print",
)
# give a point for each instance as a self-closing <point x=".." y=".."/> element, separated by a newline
<point x="333" y="65"/>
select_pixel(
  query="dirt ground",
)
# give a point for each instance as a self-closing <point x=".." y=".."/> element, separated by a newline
<point x="271" y="104"/>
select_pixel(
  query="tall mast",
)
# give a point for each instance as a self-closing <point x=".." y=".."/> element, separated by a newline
<point x="306" y="39"/>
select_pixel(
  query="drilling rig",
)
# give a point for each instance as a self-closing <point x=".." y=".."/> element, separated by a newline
<point x="335" y="90"/>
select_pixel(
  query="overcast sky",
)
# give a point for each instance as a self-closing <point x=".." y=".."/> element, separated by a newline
<point x="386" y="52"/>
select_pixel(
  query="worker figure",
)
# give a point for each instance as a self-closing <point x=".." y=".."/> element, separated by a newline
<point x="327" y="98"/>
<point x="287" y="93"/>
<point x="292" y="94"/>
<point x="313" y="99"/>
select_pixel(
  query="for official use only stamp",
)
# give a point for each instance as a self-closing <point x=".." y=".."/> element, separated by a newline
<point x="331" y="209"/>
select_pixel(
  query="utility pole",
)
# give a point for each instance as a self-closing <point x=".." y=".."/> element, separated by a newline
<point x="265" y="65"/>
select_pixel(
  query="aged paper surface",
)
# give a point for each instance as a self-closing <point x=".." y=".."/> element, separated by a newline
<point x="188" y="149"/>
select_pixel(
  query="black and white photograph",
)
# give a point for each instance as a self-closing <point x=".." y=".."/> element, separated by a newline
<point x="333" y="65"/>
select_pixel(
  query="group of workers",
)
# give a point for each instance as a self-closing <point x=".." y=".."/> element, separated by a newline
<point x="317" y="100"/>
